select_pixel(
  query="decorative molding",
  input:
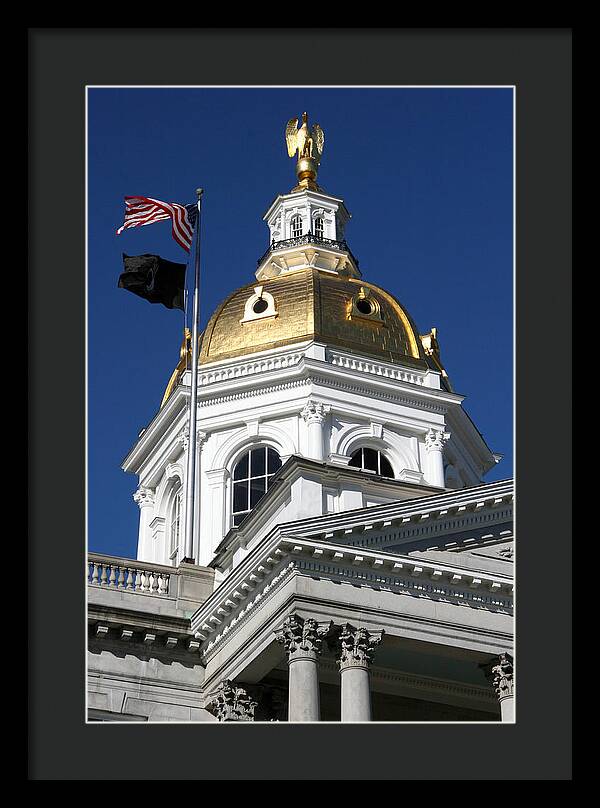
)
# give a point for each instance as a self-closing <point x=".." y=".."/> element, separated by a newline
<point x="183" y="438"/>
<point x="314" y="412"/>
<point x="302" y="638"/>
<point x="144" y="496"/>
<point x="375" y="368"/>
<point x="500" y="673"/>
<point x="435" y="439"/>
<point x="230" y="703"/>
<point x="249" y="367"/>
<point x="356" y="646"/>
<point x="254" y="391"/>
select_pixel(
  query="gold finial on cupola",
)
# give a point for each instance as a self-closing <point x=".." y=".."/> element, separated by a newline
<point x="308" y="143"/>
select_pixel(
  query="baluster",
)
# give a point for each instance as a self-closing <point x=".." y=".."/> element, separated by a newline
<point x="111" y="580"/>
<point x="121" y="581"/>
<point x="94" y="572"/>
<point x="103" y="576"/>
<point x="130" y="579"/>
<point x="155" y="583"/>
<point x="145" y="580"/>
<point x="163" y="584"/>
<point x="139" y="580"/>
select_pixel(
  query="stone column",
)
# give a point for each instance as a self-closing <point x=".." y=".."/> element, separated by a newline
<point x="356" y="647"/>
<point x="314" y="416"/>
<point x="302" y="640"/>
<point x="231" y="703"/>
<point x="434" y="443"/>
<point x="145" y="499"/>
<point x="500" y="673"/>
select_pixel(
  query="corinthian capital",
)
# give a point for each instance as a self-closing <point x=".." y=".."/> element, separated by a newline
<point x="230" y="703"/>
<point x="302" y="637"/>
<point x="500" y="673"/>
<point x="356" y="646"/>
<point x="314" y="412"/>
<point x="184" y="438"/>
<point x="144" y="496"/>
<point x="435" y="439"/>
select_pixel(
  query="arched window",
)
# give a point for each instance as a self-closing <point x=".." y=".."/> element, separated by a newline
<point x="296" y="226"/>
<point x="251" y="477"/>
<point x="175" y="526"/>
<point x="372" y="460"/>
<point x="319" y="228"/>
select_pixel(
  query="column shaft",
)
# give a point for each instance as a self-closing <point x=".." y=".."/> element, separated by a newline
<point x="356" y="694"/>
<point x="304" y="703"/>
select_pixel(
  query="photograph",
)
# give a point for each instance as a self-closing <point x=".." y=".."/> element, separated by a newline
<point x="300" y="404"/>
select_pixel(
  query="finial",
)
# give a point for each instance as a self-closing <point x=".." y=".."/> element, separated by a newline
<point x="199" y="192"/>
<point x="308" y="143"/>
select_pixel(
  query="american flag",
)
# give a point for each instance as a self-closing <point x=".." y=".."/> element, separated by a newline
<point x="141" y="210"/>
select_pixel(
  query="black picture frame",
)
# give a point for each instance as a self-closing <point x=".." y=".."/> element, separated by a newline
<point x="61" y="63"/>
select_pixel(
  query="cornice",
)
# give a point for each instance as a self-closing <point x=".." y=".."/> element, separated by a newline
<point x="268" y="565"/>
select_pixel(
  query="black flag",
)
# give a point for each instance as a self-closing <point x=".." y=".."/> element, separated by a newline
<point x="154" y="279"/>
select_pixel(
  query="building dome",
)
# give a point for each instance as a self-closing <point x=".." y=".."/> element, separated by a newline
<point x="309" y="304"/>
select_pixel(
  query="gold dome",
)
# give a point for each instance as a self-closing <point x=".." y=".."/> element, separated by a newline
<point x="312" y="305"/>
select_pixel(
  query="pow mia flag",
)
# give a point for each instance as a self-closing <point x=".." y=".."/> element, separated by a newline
<point x="154" y="279"/>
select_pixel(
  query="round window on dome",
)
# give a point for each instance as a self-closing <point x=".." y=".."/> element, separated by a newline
<point x="260" y="306"/>
<point x="365" y="306"/>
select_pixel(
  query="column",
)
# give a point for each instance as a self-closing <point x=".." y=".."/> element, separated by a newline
<point x="500" y="673"/>
<point x="231" y="703"/>
<point x="145" y="499"/>
<point x="434" y="443"/>
<point x="302" y="640"/>
<point x="356" y="647"/>
<point x="314" y="414"/>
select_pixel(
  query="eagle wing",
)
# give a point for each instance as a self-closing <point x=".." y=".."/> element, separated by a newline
<point x="319" y="137"/>
<point x="291" y="137"/>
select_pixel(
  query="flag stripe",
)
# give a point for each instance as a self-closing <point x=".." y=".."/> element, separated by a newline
<point x="142" y="210"/>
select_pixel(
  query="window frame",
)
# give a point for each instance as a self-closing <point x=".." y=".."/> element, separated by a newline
<point x="295" y="224"/>
<point x="249" y="478"/>
<point x="380" y="454"/>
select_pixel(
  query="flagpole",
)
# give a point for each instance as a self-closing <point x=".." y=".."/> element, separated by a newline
<point x="192" y="445"/>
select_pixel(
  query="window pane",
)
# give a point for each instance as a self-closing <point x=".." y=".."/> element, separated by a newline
<point x="386" y="468"/>
<point x="238" y="518"/>
<point x="274" y="461"/>
<point x="257" y="462"/>
<point x="240" y="497"/>
<point x="370" y="459"/>
<point x="257" y="489"/>
<point x="356" y="459"/>
<point x="240" y="472"/>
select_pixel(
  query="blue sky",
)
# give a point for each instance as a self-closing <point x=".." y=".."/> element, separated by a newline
<point x="426" y="174"/>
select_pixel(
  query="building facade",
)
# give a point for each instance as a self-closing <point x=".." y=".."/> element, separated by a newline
<point x="348" y="561"/>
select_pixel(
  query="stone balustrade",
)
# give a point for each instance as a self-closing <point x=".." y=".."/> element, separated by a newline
<point x="128" y="575"/>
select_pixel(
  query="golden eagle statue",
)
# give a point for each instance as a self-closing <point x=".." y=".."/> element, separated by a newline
<point x="308" y="143"/>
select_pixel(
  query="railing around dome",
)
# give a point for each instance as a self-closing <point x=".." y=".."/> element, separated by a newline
<point x="308" y="238"/>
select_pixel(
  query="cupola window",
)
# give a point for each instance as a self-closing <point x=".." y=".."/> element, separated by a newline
<point x="319" y="227"/>
<point x="296" y="226"/>
<point x="372" y="460"/>
<point x="251" y="478"/>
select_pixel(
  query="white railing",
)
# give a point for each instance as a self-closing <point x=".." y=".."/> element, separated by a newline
<point x="128" y="575"/>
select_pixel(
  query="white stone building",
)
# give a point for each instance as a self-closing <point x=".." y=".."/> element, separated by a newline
<point x="348" y="563"/>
